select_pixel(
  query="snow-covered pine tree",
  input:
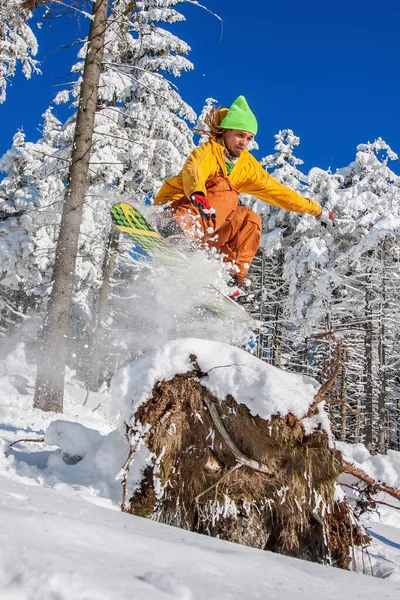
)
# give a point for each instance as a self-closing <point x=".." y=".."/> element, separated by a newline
<point x="18" y="43"/>
<point x="338" y="285"/>
<point x="268" y="268"/>
<point x="140" y="135"/>
<point x="339" y="282"/>
<point x="201" y="124"/>
<point x="283" y="163"/>
<point x="368" y="268"/>
<point x="31" y="195"/>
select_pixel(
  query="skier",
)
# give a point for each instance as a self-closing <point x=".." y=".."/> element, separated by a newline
<point x="204" y="196"/>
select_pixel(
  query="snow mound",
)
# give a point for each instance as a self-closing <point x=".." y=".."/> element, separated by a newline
<point x="72" y="438"/>
<point x="264" y="389"/>
<point x="83" y="459"/>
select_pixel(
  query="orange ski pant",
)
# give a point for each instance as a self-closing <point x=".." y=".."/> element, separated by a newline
<point x="235" y="230"/>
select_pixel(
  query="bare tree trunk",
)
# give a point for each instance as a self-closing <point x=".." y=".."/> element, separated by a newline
<point x="368" y="375"/>
<point x="398" y="426"/>
<point x="304" y="357"/>
<point x="357" y="431"/>
<point x="382" y="412"/>
<point x="277" y="336"/>
<point x="96" y="366"/>
<point x="270" y="312"/>
<point x="49" y="390"/>
<point x="343" y="397"/>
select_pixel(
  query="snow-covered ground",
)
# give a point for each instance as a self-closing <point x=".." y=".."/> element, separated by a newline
<point x="57" y="546"/>
<point x="63" y="536"/>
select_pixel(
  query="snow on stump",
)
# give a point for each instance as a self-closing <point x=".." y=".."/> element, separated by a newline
<point x="227" y="445"/>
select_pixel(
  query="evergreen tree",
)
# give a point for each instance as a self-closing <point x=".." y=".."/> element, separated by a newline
<point x="201" y="125"/>
<point x="140" y="137"/>
<point x="345" y="282"/>
<point x="324" y="286"/>
<point x="17" y="43"/>
<point x="31" y="195"/>
<point x="279" y="227"/>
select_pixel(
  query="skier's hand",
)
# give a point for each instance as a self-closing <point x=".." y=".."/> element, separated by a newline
<point x="327" y="219"/>
<point x="201" y="202"/>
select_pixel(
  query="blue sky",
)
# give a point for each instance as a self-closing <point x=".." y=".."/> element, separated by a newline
<point x="330" y="71"/>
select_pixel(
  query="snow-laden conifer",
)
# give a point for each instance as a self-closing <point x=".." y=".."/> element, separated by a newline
<point x="140" y="137"/>
<point x="141" y="134"/>
<point x="18" y="43"/>
<point x="279" y="230"/>
<point x="342" y="285"/>
<point x="31" y="195"/>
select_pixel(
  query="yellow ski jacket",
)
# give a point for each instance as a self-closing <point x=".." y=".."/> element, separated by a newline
<point x="247" y="177"/>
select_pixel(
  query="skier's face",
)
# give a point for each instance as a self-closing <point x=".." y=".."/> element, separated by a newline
<point x="236" y="141"/>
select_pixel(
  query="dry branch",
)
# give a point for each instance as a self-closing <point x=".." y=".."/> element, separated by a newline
<point x="220" y="480"/>
<point x="381" y="487"/>
<point x="39" y="440"/>
<point x="240" y="457"/>
<point x="324" y="389"/>
<point x="371" y="500"/>
<point x="128" y="463"/>
<point x="342" y="403"/>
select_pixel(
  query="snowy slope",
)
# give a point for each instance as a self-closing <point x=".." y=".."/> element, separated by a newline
<point x="55" y="546"/>
<point x="63" y="536"/>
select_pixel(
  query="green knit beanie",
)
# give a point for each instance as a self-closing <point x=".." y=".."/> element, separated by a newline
<point x="240" y="117"/>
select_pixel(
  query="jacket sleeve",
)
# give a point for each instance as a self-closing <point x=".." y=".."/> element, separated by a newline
<point x="264" y="187"/>
<point x="198" y="168"/>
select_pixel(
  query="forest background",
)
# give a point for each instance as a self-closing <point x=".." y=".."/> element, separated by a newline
<point x="329" y="72"/>
<point x="328" y="300"/>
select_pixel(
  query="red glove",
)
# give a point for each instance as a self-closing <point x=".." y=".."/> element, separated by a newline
<point x="327" y="219"/>
<point x="199" y="200"/>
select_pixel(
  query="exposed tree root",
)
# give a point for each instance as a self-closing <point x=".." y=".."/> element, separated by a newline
<point x="214" y="468"/>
